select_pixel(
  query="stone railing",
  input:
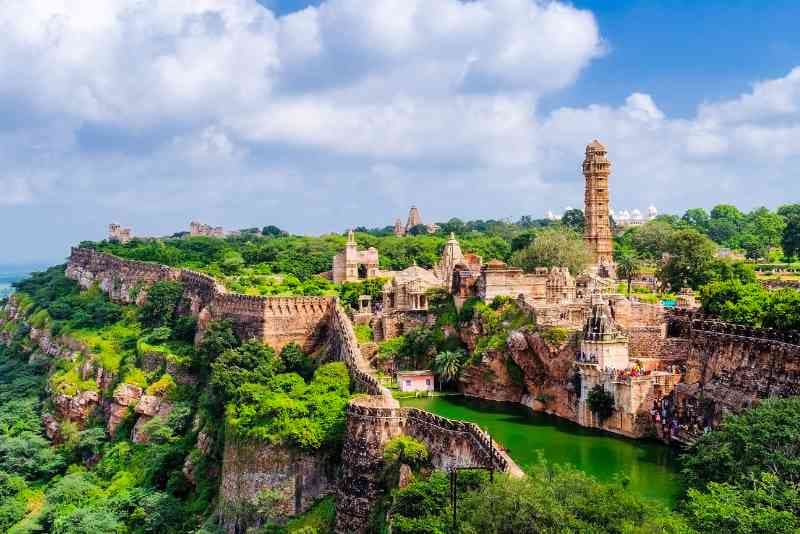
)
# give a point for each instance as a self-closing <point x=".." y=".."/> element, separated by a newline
<point x="688" y="322"/>
<point x="484" y="449"/>
<point x="344" y="346"/>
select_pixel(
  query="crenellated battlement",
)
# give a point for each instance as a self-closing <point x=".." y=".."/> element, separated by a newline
<point x="730" y="367"/>
<point x="371" y="424"/>
<point x="275" y="320"/>
<point x="686" y="323"/>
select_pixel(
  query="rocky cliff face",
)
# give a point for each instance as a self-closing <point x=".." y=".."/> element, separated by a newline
<point x="529" y="370"/>
<point x="248" y="469"/>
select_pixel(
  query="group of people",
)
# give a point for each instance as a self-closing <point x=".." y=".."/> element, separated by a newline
<point x="672" y="418"/>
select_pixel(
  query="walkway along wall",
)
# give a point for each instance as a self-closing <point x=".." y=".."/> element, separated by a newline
<point x="729" y="367"/>
<point x="370" y="425"/>
<point x="276" y="321"/>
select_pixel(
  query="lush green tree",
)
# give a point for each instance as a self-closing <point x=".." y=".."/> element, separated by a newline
<point x="629" y="265"/>
<point x="449" y="364"/>
<point x="403" y="450"/>
<point x="88" y="520"/>
<point x="574" y="220"/>
<point x="725" y="224"/>
<point x="272" y="230"/>
<point x="217" y="338"/>
<point x="232" y="262"/>
<point x="760" y="439"/>
<point x="783" y="310"/>
<point x="736" y="302"/>
<point x="697" y="218"/>
<point x="30" y="455"/>
<point x="161" y="307"/>
<point x="454" y="225"/>
<point x="766" y="505"/>
<point x="287" y="410"/>
<point x="761" y="231"/>
<point x="294" y="360"/>
<point x="790" y="240"/>
<point x="690" y="262"/>
<point x="253" y="362"/>
<point x="554" y="247"/>
<point x="600" y="402"/>
<point x="650" y="240"/>
<point x="556" y="500"/>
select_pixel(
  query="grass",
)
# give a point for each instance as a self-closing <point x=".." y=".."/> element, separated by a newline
<point x="554" y="335"/>
<point x="363" y="333"/>
<point x="70" y="383"/>
<point x="105" y="343"/>
<point x="320" y="516"/>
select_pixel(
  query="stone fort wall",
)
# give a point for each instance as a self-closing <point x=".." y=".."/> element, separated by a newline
<point x="732" y="366"/>
<point x="276" y="321"/>
<point x="371" y="424"/>
<point x="372" y="420"/>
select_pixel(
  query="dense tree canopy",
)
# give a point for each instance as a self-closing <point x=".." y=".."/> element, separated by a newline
<point x="555" y="247"/>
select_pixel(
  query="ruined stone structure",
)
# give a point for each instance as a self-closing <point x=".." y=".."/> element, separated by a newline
<point x="604" y="360"/>
<point x="119" y="234"/>
<point x="301" y="478"/>
<point x="543" y="286"/>
<point x="597" y="234"/>
<point x="370" y="425"/>
<point x="197" y="229"/>
<point x="353" y="265"/>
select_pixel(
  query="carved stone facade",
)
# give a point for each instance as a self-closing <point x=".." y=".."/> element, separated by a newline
<point x="353" y="265"/>
<point x="543" y="286"/>
<point x="597" y="233"/>
<point x="407" y="290"/>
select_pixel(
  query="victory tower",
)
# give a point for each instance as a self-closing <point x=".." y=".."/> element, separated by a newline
<point x="597" y="233"/>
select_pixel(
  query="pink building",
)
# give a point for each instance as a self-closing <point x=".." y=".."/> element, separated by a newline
<point x="415" y="380"/>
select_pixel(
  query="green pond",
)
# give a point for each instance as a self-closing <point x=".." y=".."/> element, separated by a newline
<point x="650" y="467"/>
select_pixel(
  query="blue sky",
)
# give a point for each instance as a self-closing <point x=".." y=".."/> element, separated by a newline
<point x="242" y="113"/>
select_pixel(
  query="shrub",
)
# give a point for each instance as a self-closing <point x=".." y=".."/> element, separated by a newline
<point x="600" y="402"/>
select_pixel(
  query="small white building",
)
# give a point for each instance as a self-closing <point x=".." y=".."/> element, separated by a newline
<point x="415" y="380"/>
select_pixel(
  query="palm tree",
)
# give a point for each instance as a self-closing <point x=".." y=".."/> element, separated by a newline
<point x="628" y="266"/>
<point x="448" y="364"/>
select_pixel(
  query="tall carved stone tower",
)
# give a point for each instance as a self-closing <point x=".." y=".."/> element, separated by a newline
<point x="597" y="233"/>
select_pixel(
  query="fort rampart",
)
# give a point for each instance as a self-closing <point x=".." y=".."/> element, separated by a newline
<point x="276" y="321"/>
<point x="731" y="366"/>
<point x="370" y="425"/>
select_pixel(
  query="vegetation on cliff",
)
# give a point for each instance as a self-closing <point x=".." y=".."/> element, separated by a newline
<point x="152" y="473"/>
